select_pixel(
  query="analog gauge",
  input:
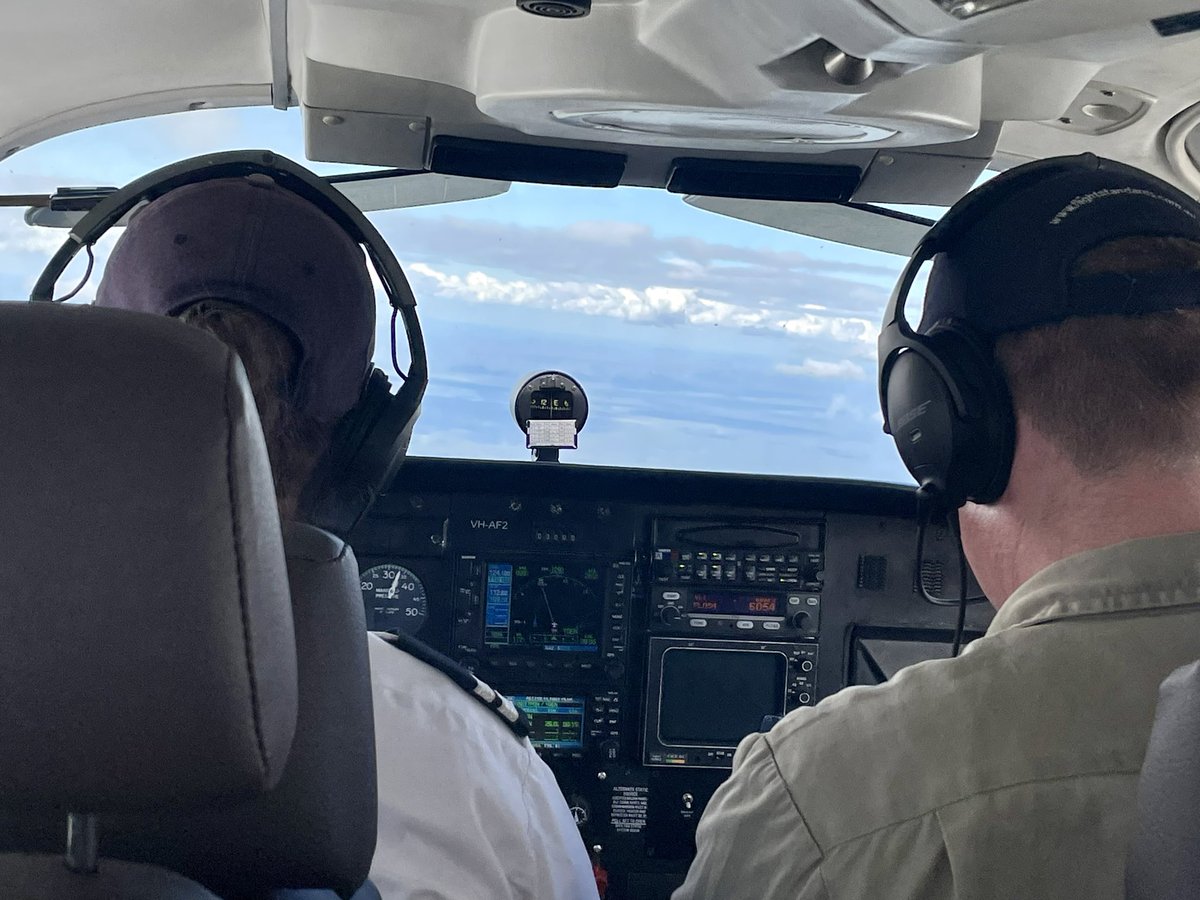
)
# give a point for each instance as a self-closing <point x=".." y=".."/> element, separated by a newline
<point x="394" y="599"/>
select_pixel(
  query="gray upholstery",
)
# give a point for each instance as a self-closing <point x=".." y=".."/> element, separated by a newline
<point x="39" y="876"/>
<point x="317" y="828"/>
<point x="1164" y="860"/>
<point x="146" y="645"/>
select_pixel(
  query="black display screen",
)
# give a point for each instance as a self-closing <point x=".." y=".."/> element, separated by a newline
<point x="555" y="723"/>
<point x="715" y="698"/>
<point x="530" y="606"/>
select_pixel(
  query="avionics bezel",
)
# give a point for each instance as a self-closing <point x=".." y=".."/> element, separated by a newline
<point x="798" y="689"/>
<point x="585" y="700"/>
<point x="600" y="591"/>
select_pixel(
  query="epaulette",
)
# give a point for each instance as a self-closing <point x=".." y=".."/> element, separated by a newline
<point x="507" y="711"/>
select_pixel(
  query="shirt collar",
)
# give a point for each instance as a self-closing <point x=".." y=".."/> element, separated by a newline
<point x="1143" y="574"/>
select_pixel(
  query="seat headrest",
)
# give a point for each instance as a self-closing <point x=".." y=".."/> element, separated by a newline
<point x="147" y="656"/>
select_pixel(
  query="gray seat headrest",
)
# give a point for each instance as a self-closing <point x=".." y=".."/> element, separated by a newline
<point x="147" y="656"/>
<point x="316" y="828"/>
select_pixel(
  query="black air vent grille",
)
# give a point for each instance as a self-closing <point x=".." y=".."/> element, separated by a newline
<point x="872" y="573"/>
<point x="932" y="578"/>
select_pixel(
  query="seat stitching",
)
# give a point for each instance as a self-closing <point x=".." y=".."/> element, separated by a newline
<point x="230" y="369"/>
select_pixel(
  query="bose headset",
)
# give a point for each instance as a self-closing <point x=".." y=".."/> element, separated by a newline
<point x="370" y="440"/>
<point x="944" y="397"/>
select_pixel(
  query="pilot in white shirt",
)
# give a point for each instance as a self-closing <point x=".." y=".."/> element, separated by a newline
<point x="467" y="809"/>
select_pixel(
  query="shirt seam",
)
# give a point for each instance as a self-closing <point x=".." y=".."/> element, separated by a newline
<point x="527" y="766"/>
<point x="1044" y="617"/>
<point x="820" y="867"/>
<point x="936" y="810"/>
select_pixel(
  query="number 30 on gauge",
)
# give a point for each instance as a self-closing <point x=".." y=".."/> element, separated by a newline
<point x="394" y="599"/>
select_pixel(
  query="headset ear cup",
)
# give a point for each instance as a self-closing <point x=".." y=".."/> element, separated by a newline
<point x="961" y="453"/>
<point x="367" y="448"/>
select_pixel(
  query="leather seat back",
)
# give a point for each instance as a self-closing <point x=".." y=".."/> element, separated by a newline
<point x="316" y="829"/>
<point x="147" y="653"/>
<point x="1164" y="860"/>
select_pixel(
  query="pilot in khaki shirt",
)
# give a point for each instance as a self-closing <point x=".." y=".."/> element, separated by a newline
<point x="1009" y="772"/>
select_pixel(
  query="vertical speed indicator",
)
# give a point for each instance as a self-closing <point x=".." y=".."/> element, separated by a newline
<point x="394" y="599"/>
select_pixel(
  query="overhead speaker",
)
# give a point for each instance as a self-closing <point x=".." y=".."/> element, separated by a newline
<point x="557" y="9"/>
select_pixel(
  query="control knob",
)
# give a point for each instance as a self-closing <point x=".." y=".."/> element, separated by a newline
<point x="798" y="620"/>
<point x="669" y="615"/>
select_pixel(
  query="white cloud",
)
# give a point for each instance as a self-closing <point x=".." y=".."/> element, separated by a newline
<point x="659" y="304"/>
<point x="815" y="368"/>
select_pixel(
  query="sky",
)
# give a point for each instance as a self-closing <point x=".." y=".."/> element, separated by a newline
<point x="703" y="342"/>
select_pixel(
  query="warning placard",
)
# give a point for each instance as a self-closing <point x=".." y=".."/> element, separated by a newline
<point x="629" y="804"/>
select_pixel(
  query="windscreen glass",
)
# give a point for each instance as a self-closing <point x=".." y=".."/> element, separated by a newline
<point x="703" y="342"/>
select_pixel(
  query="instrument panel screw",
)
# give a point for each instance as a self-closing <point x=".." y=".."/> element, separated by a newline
<point x="602" y="775"/>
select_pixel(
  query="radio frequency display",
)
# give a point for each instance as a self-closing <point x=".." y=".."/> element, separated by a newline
<point x="736" y="603"/>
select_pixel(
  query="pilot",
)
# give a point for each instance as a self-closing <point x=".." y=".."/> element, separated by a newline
<point x="466" y="807"/>
<point x="1011" y="770"/>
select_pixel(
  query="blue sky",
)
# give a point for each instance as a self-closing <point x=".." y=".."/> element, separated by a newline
<point x="703" y="342"/>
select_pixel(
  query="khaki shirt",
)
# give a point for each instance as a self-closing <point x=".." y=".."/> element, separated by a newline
<point x="1008" y="773"/>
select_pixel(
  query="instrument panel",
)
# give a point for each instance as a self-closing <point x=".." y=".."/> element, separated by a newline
<point x="647" y="621"/>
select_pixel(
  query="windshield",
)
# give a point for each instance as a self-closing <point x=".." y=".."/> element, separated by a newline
<point x="703" y="342"/>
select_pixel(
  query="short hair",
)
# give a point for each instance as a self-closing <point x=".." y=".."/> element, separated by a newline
<point x="1111" y="390"/>
<point x="295" y="442"/>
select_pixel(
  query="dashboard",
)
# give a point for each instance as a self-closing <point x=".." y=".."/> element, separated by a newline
<point x="645" y="621"/>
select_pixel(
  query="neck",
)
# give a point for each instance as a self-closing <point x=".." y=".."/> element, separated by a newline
<point x="1051" y="511"/>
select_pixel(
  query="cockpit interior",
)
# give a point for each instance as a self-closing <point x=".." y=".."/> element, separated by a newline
<point x="648" y="499"/>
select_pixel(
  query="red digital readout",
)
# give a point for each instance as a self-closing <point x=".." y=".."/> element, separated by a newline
<point x="761" y="605"/>
<point x="734" y="603"/>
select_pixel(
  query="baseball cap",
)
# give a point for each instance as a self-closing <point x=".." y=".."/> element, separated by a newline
<point x="1009" y="257"/>
<point x="251" y="242"/>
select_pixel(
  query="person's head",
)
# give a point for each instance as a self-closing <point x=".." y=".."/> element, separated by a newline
<point x="1086" y="286"/>
<point x="277" y="280"/>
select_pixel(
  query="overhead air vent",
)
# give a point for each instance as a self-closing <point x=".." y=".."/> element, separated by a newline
<point x="557" y="9"/>
<point x="1102" y="108"/>
<point x="969" y="9"/>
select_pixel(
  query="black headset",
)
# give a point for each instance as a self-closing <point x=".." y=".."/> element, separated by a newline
<point x="944" y="397"/>
<point x="370" y="440"/>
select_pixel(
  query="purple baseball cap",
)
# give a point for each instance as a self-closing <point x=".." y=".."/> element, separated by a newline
<point x="249" y="241"/>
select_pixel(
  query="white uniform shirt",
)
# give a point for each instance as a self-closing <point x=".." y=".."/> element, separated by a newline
<point x="467" y="811"/>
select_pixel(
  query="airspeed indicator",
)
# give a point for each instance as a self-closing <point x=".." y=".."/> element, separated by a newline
<point x="394" y="599"/>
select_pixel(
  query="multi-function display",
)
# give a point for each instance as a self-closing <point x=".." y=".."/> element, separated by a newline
<point x="705" y="695"/>
<point x="555" y="723"/>
<point x="557" y="607"/>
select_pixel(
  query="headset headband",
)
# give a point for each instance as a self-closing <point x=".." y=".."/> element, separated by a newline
<point x="896" y="333"/>
<point x="289" y="175"/>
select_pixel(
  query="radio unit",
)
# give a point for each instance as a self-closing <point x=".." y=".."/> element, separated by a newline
<point x="723" y="612"/>
<point x="703" y="696"/>
<point x="760" y="580"/>
<point x="542" y="620"/>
